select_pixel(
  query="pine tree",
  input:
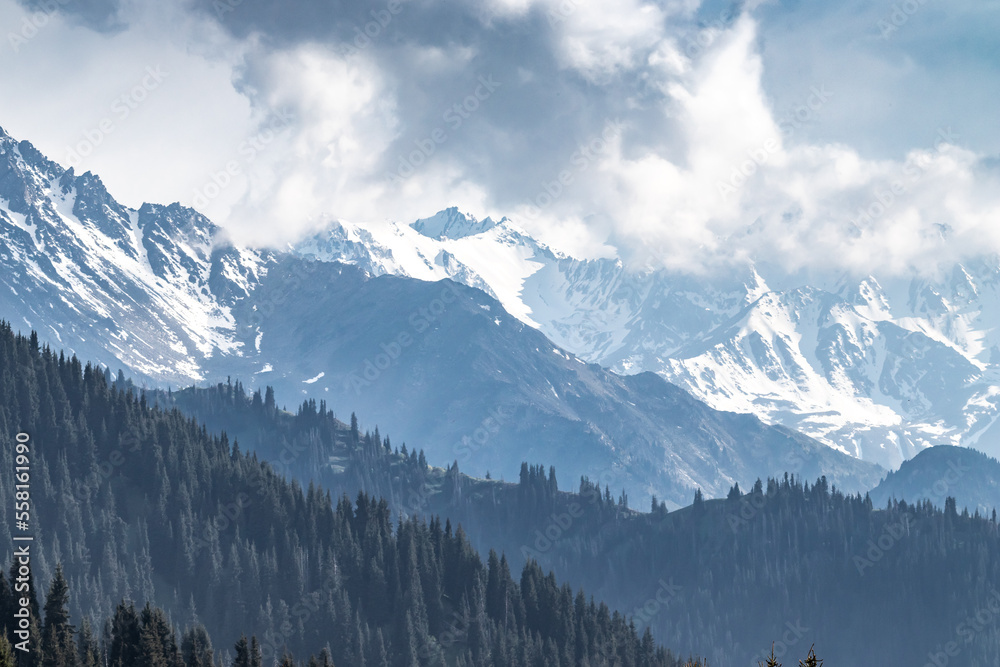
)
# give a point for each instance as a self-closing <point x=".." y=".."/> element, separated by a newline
<point x="6" y="652"/>
<point x="158" y="644"/>
<point x="811" y="660"/>
<point x="150" y="648"/>
<point x="196" y="647"/>
<point x="412" y="644"/>
<point x="58" y="647"/>
<point x="123" y="650"/>
<point x="771" y="660"/>
<point x="242" y="649"/>
<point x="256" y="659"/>
<point x="295" y="546"/>
<point x="90" y="655"/>
<point x="380" y="653"/>
<point x="34" y="644"/>
<point x="950" y="507"/>
<point x="355" y="431"/>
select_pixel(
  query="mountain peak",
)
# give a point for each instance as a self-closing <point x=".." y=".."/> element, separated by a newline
<point x="452" y="224"/>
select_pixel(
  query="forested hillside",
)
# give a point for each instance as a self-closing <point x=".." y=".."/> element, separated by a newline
<point x="969" y="476"/>
<point x="788" y="560"/>
<point x="141" y="504"/>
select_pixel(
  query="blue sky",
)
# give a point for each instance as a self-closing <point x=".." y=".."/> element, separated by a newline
<point x="681" y="133"/>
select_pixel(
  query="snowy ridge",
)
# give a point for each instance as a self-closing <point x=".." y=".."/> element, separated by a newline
<point x="132" y="285"/>
<point x="158" y="291"/>
<point x="452" y="224"/>
<point x="502" y="254"/>
<point x="879" y="367"/>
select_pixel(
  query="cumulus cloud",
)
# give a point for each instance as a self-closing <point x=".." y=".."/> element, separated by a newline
<point x="683" y="134"/>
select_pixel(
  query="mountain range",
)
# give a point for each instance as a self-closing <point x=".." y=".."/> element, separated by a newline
<point x="452" y="366"/>
<point x="879" y="367"/>
<point x="437" y="341"/>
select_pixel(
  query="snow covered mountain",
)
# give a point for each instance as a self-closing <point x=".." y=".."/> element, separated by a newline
<point x="159" y="292"/>
<point x="444" y="367"/>
<point x="878" y="367"/>
<point x="150" y="289"/>
<point x="875" y="367"/>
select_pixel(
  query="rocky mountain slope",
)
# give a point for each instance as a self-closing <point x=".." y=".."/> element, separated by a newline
<point x="161" y="293"/>
<point x="879" y="367"/>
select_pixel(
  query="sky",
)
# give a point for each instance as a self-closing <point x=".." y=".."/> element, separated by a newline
<point x="678" y="133"/>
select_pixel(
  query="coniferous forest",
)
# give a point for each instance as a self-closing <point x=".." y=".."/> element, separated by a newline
<point x="786" y="560"/>
<point x="148" y="528"/>
<point x="158" y="535"/>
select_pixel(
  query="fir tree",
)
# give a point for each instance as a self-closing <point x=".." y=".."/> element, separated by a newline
<point x="58" y="647"/>
<point x="242" y="649"/>
<point x="6" y="652"/>
<point x="87" y="647"/>
<point x="771" y="660"/>
<point x="125" y="633"/>
<point x="811" y="660"/>
<point x="196" y="647"/>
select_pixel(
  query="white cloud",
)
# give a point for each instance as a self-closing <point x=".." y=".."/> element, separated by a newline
<point x="623" y="122"/>
<point x="795" y="203"/>
<point x="600" y="41"/>
<point x="341" y="120"/>
<point x="61" y="85"/>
